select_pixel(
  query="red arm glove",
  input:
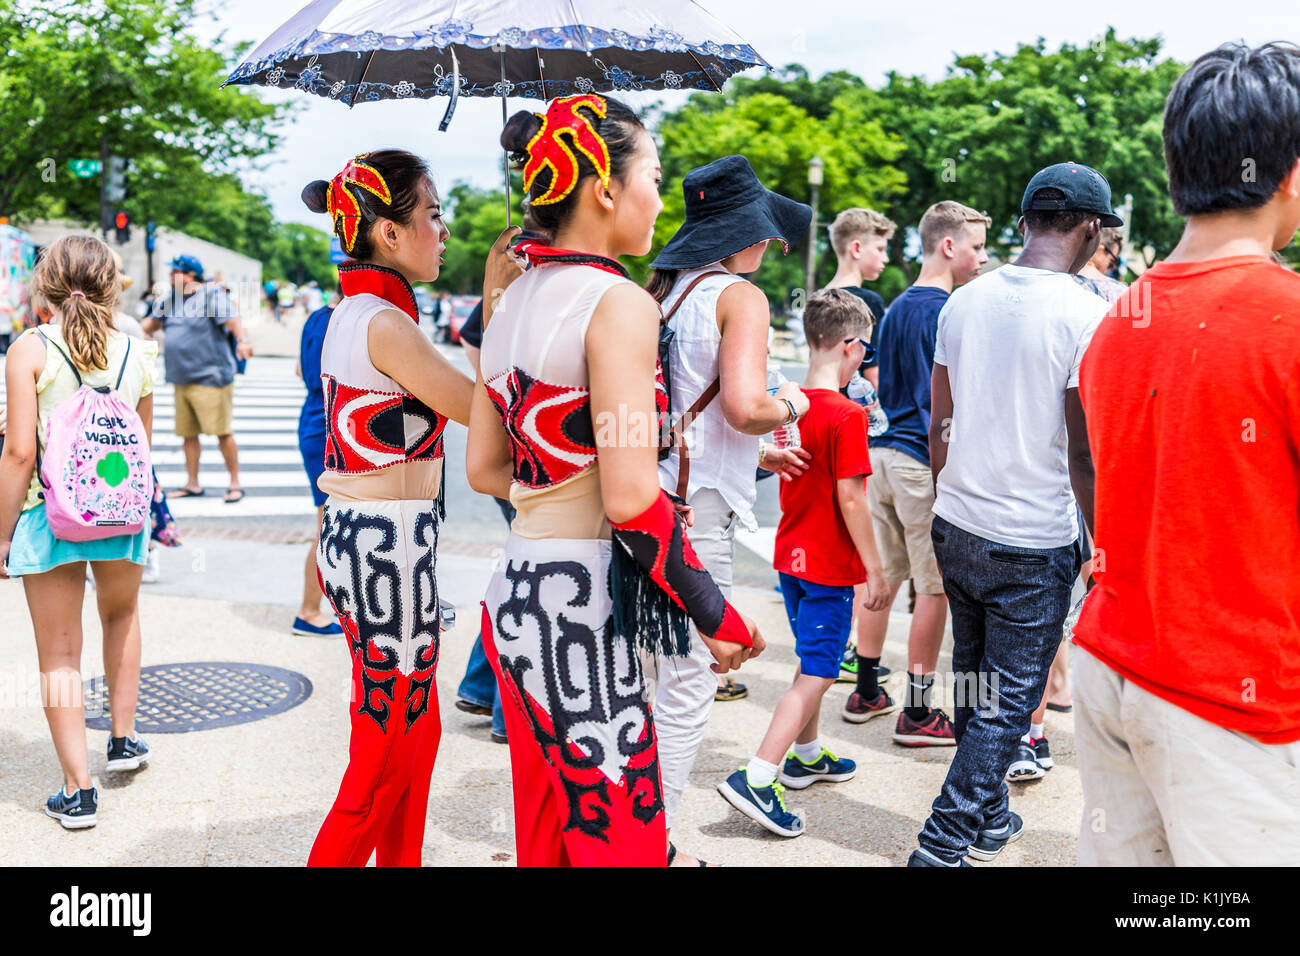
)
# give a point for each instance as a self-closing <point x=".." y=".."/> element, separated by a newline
<point x="657" y="581"/>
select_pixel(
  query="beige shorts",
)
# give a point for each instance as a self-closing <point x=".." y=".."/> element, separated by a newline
<point x="204" y="410"/>
<point x="900" y="492"/>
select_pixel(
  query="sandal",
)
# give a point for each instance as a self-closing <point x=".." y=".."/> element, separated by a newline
<point x="1060" y="708"/>
<point x="186" y="493"/>
<point x="672" y="855"/>
<point x="730" y="690"/>
<point x="237" y="493"/>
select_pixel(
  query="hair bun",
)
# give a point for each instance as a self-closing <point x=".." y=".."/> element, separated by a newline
<point x="518" y="132"/>
<point x="313" y="195"/>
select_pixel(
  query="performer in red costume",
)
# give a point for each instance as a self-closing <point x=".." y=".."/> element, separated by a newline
<point x="388" y="396"/>
<point x="597" y="576"/>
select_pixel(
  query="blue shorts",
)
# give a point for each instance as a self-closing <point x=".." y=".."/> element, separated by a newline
<point x="820" y="617"/>
<point x="312" y="449"/>
<point x="35" y="550"/>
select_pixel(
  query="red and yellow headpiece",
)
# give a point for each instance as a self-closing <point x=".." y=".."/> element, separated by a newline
<point x="342" y="203"/>
<point x="548" y="150"/>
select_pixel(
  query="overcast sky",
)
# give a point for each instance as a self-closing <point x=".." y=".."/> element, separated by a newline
<point x="823" y="35"/>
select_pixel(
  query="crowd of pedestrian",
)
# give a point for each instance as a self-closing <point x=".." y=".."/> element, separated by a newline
<point x="1005" y="441"/>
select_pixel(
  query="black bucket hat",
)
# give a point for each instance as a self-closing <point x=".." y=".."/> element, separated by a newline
<point x="727" y="210"/>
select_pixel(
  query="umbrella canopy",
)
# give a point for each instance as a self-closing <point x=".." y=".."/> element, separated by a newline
<point x="355" y="51"/>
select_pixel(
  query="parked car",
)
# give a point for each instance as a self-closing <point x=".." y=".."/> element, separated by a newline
<point x="427" y="303"/>
<point x="461" y="307"/>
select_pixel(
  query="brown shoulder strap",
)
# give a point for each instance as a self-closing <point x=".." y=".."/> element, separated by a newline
<point x="694" y="282"/>
<point x="678" y="432"/>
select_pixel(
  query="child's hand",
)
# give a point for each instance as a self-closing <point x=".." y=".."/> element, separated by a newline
<point x="876" y="590"/>
<point x="787" y="462"/>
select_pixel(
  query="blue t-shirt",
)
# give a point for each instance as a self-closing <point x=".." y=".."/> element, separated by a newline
<point x="905" y="354"/>
<point x="311" y="421"/>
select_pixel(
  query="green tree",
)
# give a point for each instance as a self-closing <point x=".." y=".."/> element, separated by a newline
<point x="130" y="71"/>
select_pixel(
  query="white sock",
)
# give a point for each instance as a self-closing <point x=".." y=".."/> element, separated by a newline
<point x="1035" y="731"/>
<point x="760" y="773"/>
<point x="809" y="752"/>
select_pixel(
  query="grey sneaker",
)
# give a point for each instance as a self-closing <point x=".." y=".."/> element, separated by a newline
<point x="989" y="843"/>
<point x="126" y="753"/>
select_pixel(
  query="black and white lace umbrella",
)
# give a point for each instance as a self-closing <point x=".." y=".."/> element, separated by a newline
<point x="358" y="51"/>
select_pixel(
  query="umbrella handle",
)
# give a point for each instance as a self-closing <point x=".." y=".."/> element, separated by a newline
<point x="455" y="92"/>
<point x="506" y="156"/>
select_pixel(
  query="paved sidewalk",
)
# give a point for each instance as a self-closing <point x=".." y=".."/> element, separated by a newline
<point x="255" y="794"/>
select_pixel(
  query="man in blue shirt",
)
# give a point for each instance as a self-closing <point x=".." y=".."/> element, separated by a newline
<point x="900" y="491"/>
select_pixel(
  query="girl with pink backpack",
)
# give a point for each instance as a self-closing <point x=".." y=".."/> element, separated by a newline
<point x="75" y="486"/>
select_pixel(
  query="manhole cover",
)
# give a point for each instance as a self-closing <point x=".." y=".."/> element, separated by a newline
<point x="178" y="698"/>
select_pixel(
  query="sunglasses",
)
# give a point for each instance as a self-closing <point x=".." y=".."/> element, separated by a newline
<point x="868" y="351"/>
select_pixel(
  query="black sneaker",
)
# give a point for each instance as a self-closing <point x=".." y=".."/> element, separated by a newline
<point x="926" y="858"/>
<point x="1025" y="766"/>
<point x="989" y="843"/>
<point x="1042" y="753"/>
<point x="126" y="753"/>
<point x="74" y="812"/>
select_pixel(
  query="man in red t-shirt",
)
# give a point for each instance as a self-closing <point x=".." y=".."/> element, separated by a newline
<point x="1188" y="690"/>
<point x="824" y="546"/>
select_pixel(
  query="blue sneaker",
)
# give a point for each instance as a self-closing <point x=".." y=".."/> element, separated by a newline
<point x="304" y="629"/>
<point x="989" y="843"/>
<point x="126" y="753"/>
<point x="74" y="812"/>
<point x="764" y="805"/>
<point x="797" y="775"/>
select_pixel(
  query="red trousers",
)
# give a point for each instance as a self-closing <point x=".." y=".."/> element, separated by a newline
<point x="567" y="814"/>
<point x="384" y="795"/>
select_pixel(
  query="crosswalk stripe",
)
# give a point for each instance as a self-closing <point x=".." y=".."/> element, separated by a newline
<point x="172" y="457"/>
<point x="248" y="479"/>
<point x="279" y="439"/>
<point x="162" y="426"/>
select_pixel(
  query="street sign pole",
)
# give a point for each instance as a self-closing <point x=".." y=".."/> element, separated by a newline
<point x="103" y="187"/>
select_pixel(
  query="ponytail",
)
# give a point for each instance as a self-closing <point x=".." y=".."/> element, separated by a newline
<point x="78" y="277"/>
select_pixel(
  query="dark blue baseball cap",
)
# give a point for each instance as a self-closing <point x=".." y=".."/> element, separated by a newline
<point x="1085" y="189"/>
<point x="188" y="264"/>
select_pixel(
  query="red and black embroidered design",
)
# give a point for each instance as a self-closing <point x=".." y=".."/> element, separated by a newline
<point x="581" y="691"/>
<point x="367" y="429"/>
<point x="550" y="428"/>
<point x="539" y="253"/>
<point x="388" y="611"/>
<point x="657" y="580"/>
<point x="359" y="278"/>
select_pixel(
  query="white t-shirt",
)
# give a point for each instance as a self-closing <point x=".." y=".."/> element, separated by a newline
<point x="1012" y="341"/>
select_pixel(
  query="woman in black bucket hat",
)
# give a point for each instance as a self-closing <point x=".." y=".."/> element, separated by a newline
<point x="717" y="376"/>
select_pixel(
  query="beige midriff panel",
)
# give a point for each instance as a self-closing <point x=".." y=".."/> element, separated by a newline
<point x="404" y="481"/>
<point x="571" y="509"/>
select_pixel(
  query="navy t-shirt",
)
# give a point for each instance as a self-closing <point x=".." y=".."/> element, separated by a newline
<point x="877" y="306"/>
<point x="905" y="355"/>
<point x="311" y="421"/>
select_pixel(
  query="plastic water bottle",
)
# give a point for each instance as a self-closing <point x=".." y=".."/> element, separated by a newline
<point x="863" y="392"/>
<point x="785" y="436"/>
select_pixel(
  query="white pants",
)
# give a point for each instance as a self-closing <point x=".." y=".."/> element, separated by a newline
<point x="1163" y="787"/>
<point x="686" y="684"/>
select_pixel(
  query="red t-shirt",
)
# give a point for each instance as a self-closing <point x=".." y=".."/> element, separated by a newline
<point x="812" y="541"/>
<point x="1192" y="392"/>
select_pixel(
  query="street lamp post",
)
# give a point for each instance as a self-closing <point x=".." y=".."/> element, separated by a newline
<point x="815" y="167"/>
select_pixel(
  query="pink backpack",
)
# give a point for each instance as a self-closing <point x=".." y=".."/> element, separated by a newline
<point x="96" y="471"/>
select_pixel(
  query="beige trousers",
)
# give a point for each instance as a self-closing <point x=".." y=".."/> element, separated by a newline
<point x="1163" y="787"/>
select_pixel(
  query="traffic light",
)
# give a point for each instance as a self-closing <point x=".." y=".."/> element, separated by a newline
<point x="115" y="185"/>
<point x="122" y="223"/>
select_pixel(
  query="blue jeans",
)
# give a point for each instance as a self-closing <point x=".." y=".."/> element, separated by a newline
<point x="1008" y="610"/>
<point x="479" y="685"/>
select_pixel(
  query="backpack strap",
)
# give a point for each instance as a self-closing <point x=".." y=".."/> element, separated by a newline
<point x="126" y="358"/>
<point x="677" y="435"/>
<point x="50" y="341"/>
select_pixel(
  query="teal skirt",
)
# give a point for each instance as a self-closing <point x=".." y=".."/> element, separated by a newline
<point x="36" y="550"/>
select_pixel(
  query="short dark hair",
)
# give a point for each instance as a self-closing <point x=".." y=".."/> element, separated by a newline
<point x="1055" y="220"/>
<point x="833" y="315"/>
<point x="403" y="172"/>
<point x="1232" y="127"/>
<point x="618" y="128"/>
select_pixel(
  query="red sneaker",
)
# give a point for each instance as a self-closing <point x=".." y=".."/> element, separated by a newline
<point x="857" y="711"/>
<point x="934" y="731"/>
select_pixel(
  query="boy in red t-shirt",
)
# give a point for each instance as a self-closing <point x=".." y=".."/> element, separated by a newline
<point x="824" y="546"/>
<point x="1187" y="692"/>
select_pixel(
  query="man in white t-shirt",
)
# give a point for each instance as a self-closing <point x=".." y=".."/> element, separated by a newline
<point x="1009" y="452"/>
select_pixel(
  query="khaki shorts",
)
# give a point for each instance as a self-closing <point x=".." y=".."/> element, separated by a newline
<point x="900" y="493"/>
<point x="204" y="410"/>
